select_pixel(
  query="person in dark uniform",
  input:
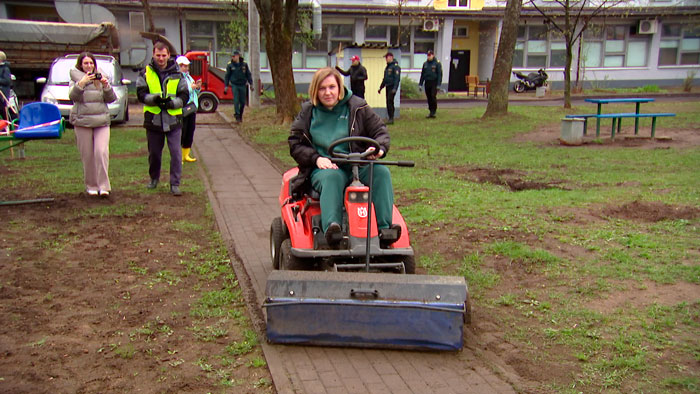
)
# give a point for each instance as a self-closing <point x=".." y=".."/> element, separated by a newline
<point x="392" y="79"/>
<point x="358" y="76"/>
<point x="432" y="76"/>
<point x="239" y="77"/>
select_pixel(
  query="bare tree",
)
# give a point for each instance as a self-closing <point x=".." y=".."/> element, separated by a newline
<point x="571" y="18"/>
<point x="279" y="20"/>
<point x="500" y="78"/>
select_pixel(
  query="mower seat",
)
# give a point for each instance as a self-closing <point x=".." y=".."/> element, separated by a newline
<point x="39" y="120"/>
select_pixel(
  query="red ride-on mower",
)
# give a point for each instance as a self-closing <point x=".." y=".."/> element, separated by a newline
<point x="296" y="239"/>
<point x="353" y="293"/>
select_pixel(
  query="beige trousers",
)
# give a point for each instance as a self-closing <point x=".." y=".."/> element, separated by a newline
<point x="93" y="144"/>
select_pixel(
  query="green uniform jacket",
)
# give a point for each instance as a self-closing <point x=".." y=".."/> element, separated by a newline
<point x="392" y="76"/>
<point x="432" y="71"/>
<point x="238" y="74"/>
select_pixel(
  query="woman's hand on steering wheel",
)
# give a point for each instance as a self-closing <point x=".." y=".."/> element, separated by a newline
<point x="325" y="163"/>
<point x="373" y="156"/>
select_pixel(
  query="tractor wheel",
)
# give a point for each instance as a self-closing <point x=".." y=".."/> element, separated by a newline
<point x="287" y="261"/>
<point x="277" y="235"/>
<point x="519" y="87"/>
<point x="208" y="102"/>
<point x="409" y="263"/>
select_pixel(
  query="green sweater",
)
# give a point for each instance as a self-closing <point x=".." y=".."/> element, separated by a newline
<point x="328" y="125"/>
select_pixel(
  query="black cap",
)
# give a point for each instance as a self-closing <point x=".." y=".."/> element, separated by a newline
<point x="389" y="54"/>
<point x="430" y="52"/>
<point x="235" y="53"/>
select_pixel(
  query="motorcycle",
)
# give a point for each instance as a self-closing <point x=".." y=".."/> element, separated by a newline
<point x="529" y="81"/>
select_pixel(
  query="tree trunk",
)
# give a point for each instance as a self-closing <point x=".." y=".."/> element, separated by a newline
<point x="500" y="78"/>
<point x="278" y="19"/>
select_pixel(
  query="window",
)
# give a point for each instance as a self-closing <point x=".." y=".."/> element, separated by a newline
<point x="460" y="31"/>
<point x="680" y="45"/>
<point x="457" y="3"/>
<point x="211" y="36"/>
<point x="614" y="46"/>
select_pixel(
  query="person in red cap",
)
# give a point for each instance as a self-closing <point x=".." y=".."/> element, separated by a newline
<point x="358" y="76"/>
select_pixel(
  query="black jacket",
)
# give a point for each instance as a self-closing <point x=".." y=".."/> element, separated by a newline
<point x="358" y="76"/>
<point x="163" y="121"/>
<point x="5" y="79"/>
<point x="361" y="122"/>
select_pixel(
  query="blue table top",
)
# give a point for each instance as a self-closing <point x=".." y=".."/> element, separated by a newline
<point x="619" y="100"/>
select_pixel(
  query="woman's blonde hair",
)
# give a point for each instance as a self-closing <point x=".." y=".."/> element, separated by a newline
<point x="320" y="75"/>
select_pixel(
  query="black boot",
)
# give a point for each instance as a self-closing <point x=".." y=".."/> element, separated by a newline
<point x="334" y="234"/>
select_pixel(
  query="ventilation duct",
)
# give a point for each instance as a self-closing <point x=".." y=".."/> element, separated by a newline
<point x="72" y="11"/>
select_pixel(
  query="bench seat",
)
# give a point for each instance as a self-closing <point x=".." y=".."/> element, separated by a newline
<point x="617" y="118"/>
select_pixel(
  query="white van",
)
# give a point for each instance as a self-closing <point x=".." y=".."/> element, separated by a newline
<point x="56" y="88"/>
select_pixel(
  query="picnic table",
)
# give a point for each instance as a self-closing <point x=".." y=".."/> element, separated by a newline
<point x="617" y="117"/>
<point x="638" y="102"/>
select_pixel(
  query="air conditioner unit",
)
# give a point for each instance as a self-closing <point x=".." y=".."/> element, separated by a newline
<point x="648" y="26"/>
<point x="431" y="25"/>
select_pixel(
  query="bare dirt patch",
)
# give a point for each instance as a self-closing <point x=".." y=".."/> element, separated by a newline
<point x="667" y="138"/>
<point x="513" y="179"/>
<point x="102" y="303"/>
<point x="651" y="211"/>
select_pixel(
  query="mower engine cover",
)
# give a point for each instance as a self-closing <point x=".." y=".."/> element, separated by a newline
<point x="361" y="309"/>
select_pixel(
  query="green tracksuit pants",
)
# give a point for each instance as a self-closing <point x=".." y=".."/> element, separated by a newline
<point x="331" y="185"/>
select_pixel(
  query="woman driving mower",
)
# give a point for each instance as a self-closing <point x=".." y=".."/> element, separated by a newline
<point x="333" y="112"/>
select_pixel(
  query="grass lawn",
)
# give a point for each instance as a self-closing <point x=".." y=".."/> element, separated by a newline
<point x="584" y="260"/>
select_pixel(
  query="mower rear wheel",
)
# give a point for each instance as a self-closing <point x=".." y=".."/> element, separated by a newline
<point x="289" y="262"/>
<point x="277" y="235"/>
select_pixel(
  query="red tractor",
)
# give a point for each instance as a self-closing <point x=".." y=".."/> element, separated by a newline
<point x="212" y="81"/>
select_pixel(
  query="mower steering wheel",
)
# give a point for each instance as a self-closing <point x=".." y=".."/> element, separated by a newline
<point x="370" y="141"/>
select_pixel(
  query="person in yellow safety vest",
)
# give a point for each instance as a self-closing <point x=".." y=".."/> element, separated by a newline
<point x="163" y="91"/>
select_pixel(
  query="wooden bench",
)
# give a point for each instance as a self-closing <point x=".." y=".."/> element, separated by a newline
<point x="617" y="118"/>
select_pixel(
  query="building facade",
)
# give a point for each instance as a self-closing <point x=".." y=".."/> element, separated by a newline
<point x="633" y="43"/>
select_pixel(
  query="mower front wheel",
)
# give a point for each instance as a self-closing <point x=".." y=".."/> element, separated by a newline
<point x="277" y="235"/>
<point x="409" y="263"/>
<point x="289" y="262"/>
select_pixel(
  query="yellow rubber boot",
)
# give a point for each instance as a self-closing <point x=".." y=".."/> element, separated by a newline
<point x="186" y="155"/>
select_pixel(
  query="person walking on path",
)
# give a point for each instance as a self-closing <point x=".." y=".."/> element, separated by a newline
<point x="90" y="92"/>
<point x="392" y="79"/>
<point x="238" y="76"/>
<point x="431" y="75"/>
<point x="358" y="76"/>
<point x="163" y="91"/>
<point x="189" y="115"/>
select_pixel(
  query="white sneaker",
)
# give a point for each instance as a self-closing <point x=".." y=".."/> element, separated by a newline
<point x="92" y="192"/>
<point x="104" y="193"/>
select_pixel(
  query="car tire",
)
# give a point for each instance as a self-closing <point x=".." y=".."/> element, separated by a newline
<point x="289" y="262"/>
<point x="208" y="102"/>
<point x="126" y="112"/>
<point x="277" y="236"/>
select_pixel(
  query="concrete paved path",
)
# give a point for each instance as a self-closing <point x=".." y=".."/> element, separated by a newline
<point x="243" y="188"/>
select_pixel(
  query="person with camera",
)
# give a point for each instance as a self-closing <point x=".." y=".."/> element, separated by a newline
<point x="163" y="91"/>
<point x="90" y="92"/>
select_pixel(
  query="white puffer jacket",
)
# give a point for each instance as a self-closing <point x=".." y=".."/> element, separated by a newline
<point x="89" y="103"/>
